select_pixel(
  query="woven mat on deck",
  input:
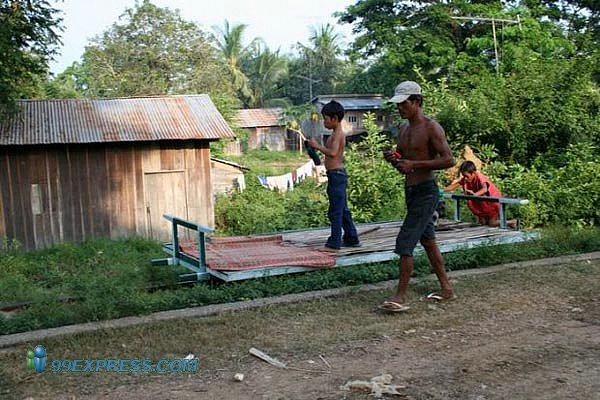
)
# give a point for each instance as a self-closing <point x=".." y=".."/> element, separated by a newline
<point x="251" y="252"/>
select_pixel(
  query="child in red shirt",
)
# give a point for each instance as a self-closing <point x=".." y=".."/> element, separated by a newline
<point x="476" y="184"/>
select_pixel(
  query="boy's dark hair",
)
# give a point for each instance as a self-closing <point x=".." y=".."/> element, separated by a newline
<point x="333" y="109"/>
<point x="416" y="97"/>
<point x="468" y="166"/>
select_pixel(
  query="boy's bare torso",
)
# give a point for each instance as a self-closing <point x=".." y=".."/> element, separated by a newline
<point x="336" y="141"/>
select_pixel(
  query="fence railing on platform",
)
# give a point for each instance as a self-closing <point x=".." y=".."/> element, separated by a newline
<point x="504" y="201"/>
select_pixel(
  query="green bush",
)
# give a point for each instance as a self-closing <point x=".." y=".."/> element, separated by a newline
<point x="568" y="194"/>
<point x="375" y="193"/>
<point x="260" y="210"/>
<point x="538" y="106"/>
<point x="375" y="188"/>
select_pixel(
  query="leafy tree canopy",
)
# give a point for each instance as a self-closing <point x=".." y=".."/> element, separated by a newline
<point x="28" y="39"/>
<point x="396" y="36"/>
<point x="319" y="68"/>
<point x="517" y="75"/>
<point x="152" y="51"/>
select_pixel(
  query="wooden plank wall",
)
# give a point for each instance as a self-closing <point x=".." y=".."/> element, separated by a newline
<point x="51" y="194"/>
<point x="224" y="177"/>
<point x="199" y="184"/>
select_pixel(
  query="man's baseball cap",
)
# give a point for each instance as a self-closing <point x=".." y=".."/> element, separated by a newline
<point x="404" y="90"/>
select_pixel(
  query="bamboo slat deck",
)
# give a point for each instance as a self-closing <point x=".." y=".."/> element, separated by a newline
<point x="378" y="240"/>
<point x="377" y="237"/>
<point x="377" y="245"/>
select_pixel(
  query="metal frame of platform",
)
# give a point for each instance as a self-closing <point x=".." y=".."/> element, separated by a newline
<point x="200" y="271"/>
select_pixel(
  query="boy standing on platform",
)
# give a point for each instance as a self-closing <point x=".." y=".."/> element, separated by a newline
<point x="337" y="180"/>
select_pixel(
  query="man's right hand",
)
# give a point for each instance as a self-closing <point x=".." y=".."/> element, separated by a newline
<point x="388" y="155"/>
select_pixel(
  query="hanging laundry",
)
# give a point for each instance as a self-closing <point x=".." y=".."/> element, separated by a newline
<point x="282" y="183"/>
<point x="287" y="181"/>
<point x="263" y="180"/>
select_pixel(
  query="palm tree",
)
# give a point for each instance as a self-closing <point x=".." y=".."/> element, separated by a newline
<point x="267" y="70"/>
<point x="230" y="42"/>
<point x="326" y="42"/>
<point x="321" y="59"/>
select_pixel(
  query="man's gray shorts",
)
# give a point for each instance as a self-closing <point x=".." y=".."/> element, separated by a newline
<point x="421" y="202"/>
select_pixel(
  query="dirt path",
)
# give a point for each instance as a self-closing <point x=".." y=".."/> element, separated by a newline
<point x="520" y="334"/>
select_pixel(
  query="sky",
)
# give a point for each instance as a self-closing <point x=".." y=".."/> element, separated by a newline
<point x="280" y="23"/>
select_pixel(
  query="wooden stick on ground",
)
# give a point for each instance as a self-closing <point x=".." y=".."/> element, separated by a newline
<point x="265" y="357"/>
<point x="276" y="363"/>
<point x="315" y="371"/>
<point x="325" y="361"/>
<point x="369" y="230"/>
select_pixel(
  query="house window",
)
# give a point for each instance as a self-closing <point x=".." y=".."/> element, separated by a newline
<point x="352" y="118"/>
<point x="380" y="118"/>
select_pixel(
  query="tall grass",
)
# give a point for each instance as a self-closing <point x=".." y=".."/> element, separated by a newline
<point x="104" y="279"/>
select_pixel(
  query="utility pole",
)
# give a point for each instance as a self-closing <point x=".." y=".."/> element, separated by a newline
<point x="308" y="51"/>
<point x="493" y="21"/>
<point x="310" y="83"/>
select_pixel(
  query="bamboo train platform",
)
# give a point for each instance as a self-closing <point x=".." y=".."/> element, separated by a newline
<point x="246" y="257"/>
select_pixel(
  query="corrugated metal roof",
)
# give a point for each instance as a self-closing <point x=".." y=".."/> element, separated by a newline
<point x="114" y="120"/>
<point x="254" y="117"/>
<point x="352" y="101"/>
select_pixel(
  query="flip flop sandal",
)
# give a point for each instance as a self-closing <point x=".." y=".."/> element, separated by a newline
<point x="437" y="297"/>
<point x="392" y="306"/>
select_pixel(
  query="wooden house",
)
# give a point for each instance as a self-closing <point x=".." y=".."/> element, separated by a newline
<point x="264" y="128"/>
<point x="75" y="169"/>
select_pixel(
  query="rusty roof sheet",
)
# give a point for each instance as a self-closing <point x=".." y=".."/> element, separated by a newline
<point x="114" y="120"/>
<point x="255" y="117"/>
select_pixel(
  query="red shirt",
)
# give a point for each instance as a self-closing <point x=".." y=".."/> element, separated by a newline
<point x="479" y="182"/>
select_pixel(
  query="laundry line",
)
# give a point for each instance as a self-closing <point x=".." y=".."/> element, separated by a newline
<point x="286" y="182"/>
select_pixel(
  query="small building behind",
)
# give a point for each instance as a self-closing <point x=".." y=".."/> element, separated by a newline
<point x="355" y="105"/>
<point x="227" y="176"/>
<point x="264" y="128"/>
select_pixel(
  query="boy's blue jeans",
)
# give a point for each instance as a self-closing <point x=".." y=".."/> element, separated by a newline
<point x="339" y="214"/>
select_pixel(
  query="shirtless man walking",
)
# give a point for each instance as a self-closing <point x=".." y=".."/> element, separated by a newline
<point x="422" y="148"/>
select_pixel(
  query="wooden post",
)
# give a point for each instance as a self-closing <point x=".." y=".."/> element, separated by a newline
<point x="493" y="21"/>
<point x="175" y="234"/>
<point x="202" y="249"/>
<point x="502" y="215"/>
<point x="457" y="210"/>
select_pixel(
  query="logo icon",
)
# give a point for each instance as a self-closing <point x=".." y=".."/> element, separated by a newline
<point x="36" y="359"/>
<point x="30" y="359"/>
